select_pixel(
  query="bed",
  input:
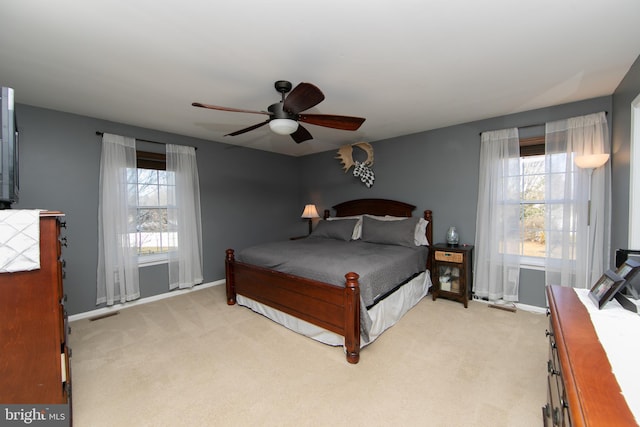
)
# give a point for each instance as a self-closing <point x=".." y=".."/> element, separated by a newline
<point x="317" y="306"/>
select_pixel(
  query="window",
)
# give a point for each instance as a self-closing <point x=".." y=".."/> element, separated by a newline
<point x="533" y="199"/>
<point x="149" y="185"/>
<point x="532" y="206"/>
<point x="533" y="202"/>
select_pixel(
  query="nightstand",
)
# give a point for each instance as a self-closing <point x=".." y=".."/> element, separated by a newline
<point x="451" y="272"/>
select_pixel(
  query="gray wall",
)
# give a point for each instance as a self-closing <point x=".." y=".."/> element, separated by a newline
<point x="248" y="196"/>
<point x="627" y="91"/>
<point x="437" y="170"/>
<point x="251" y="196"/>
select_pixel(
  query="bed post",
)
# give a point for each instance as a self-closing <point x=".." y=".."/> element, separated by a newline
<point x="352" y="318"/>
<point x="228" y="268"/>
<point x="428" y="215"/>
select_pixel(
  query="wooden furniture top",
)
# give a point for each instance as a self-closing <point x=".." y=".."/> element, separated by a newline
<point x="51" y="213"/>
<point x="593" y="394"/>
<point x="373" y="207"/>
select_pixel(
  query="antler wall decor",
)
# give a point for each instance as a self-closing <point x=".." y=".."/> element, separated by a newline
<point x="362" y="170"/>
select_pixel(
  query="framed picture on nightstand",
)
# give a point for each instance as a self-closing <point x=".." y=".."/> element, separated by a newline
<point x="629" y="270"/>
<point x="605" y="288"/>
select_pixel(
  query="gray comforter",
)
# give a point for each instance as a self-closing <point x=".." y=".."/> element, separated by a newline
<point x="381" y="267"/>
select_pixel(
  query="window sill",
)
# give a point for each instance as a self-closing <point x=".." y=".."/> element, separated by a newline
<point x="149" y="260"/>
<point x="532" y="263"/>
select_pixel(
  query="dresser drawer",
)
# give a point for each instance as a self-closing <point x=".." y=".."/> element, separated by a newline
<point x="555" y="412"/>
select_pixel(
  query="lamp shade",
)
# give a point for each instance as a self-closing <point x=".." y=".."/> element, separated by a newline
<point x="283" y="126"/>
<point x="591" y="161"/>
<point x="310" y="211"/>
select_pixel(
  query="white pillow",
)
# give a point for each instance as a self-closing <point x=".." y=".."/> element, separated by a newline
<point x="357" y="230"/>
<point x="421" y="233"/>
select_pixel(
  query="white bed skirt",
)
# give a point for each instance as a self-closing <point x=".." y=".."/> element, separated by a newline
<point x="383" y="315"/>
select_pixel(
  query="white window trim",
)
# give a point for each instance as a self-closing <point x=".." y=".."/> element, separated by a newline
<point x="532" y="262"/>
<point x="634" y="176"/>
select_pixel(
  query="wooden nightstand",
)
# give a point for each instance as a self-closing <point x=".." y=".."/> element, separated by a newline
<point x="451" y="272"/>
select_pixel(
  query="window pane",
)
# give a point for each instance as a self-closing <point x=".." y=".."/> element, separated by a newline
<point x="150" y="243"/>
<point x="163" y="177"/>
<point x="149" y="187"/>
<point x="132" y="194"/>
<point x="533" y="235"/>
<point x="147" y="176"/>
<point x="152" y="219"/>
<point x="162" y="195"/>
<point x="148" y="195"/>
<point x="132" y="175"/>
<point x="533" y="178"/>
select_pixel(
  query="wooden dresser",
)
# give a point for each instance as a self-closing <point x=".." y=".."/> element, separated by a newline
<point x="582" y="390"/>
<point x="34" y="365"/>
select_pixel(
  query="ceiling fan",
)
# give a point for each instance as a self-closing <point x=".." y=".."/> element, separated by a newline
<point x="285" y="115"/>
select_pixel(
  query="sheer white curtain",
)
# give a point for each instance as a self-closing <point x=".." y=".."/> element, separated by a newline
<point x="117" y="275"/>
<point x="497" y="260"/>
<point x="183" y="214"/>
<point x="578" y="241"/>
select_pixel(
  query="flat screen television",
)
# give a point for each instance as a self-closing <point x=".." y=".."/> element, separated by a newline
<point x="9" y="165"/>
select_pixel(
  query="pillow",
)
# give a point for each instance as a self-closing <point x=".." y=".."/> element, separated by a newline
<point x="389" y="232"/>
<point x="420" y="236"/>
<point x="357" y="230"/>
<point x="339" y="230"/>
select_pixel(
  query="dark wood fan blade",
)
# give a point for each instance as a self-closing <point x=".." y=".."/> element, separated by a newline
<point x="301" y="135"/>
<point x="302" y="97"/>
<point x="241" y="131"/>
<point x="236" y="110"/>
<point x="331" y="121"/>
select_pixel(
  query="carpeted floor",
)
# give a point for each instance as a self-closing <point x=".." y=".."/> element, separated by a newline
<point x="192" y="360"/>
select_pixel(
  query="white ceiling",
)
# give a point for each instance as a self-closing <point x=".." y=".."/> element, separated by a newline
<point x="405" y="65"/>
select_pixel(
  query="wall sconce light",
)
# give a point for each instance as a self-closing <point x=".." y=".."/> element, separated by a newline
<point x="310" y="212"/>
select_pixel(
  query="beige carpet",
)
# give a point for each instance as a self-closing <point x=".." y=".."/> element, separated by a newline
<point x="192" y="360"/>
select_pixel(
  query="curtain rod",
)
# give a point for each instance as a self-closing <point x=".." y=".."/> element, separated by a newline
<point x="143" y="140"/>
<point x="534" y="125"/>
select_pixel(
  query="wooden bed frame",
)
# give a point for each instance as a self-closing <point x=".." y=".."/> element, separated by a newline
<point x="331" y="307"/>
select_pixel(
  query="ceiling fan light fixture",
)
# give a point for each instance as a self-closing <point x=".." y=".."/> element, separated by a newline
<point x="283" y="126"/>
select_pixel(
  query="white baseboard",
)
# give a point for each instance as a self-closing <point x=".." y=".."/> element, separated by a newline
<point x="105" y="311"/>
<point x="531" y="308"/>
<point x="524" y="307"/>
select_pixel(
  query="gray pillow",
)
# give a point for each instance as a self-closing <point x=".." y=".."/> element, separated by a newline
<point x="339" y="230"/>
<point x="399" y="233"/>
